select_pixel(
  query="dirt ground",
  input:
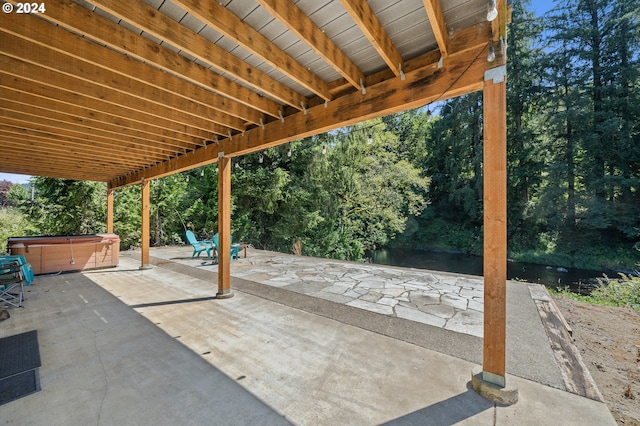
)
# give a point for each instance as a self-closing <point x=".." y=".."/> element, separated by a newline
<point x="609" y="341"/>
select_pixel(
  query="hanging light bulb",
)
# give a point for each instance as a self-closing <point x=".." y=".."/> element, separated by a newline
<point x="187" y="178"/>
<point x="428" y="112"/>
<point x="492" y="11"/>
<point x="237" y="164"/>
<point x="492" y="52"/>
<point x="370" y="139"/>
<point x="324" y="149"/>
<point x="289" y="152"/>
<point x="202" y="173"/>
<point x="260" y="159"/>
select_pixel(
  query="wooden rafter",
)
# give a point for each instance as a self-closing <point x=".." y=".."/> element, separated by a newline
<point x="42" y="56"/>
<point x="28" y="71"/>
<point x="463" y="73"/>
<point x="107" y="142"/>
<point x="119" y="130"/>
<point x="162" y="133"/>
<point x="71" y="15"/>
<point x="369" y="24"/>
<point x="137" y="80"/>
<point x="150" y="20"/>
<point x="229" y="25"/>
<point x="434" y="12"/>
<point x="301" y="25"/>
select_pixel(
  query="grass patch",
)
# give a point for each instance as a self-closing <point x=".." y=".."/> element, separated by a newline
<point x="617" y="292"/>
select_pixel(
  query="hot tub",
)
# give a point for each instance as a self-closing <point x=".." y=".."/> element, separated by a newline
<point x="67" y="252"/>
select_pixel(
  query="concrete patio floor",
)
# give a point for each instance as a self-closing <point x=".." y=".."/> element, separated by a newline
<point x="296" y="344"/>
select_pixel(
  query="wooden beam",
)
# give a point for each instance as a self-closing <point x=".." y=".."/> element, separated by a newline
<point x="229" y="25"/>
<point x="436" y="18"/>
<point x="462" y="74"/>
<point x="37" y="54"/>
<point x="124" y="103"/>
<point x="162" y="132"/>
<point x="79" y="123"/>
<point x="306" y="30"/>
<point x="369" y="24"/>
<point x="110" y="211"/>
<point x="66" y="43"/>
<point x="114" y="146"/>
<point x="65" y="146"/>
<point x="224" y="227"/>
<point x="145" y="238"/>
<point x="161" y="26"/>
<point x="65" y="166"/>
<point x="495" y="230"/>
<point x="73" y="16"/>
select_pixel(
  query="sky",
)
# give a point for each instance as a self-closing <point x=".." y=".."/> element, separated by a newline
<point x="540" y="6"/>
<point x="14" y="178"/>
<point x="537" y="6"/>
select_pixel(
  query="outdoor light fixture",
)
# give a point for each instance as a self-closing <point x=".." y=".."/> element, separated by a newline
<point x="370" y="140"/>
<point x="428" y="111"/>
<point x="492" y="11"/>
<point x="187" y="178"/>
<point x="289" y="152"/>
<point x="260" y="159"/>
<point x="324" y="149"/>
<point x="202" y="173"/>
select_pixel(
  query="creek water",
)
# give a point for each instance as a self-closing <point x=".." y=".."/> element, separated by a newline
<point x="577" y="280"/>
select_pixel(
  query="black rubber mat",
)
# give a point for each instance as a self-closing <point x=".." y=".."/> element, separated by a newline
<point x="19" y="363"/>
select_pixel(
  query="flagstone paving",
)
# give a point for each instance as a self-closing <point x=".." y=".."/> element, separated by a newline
<point x="453" y="302"/>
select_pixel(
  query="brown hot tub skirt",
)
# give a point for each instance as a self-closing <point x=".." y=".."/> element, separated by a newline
<point x="67" y="252"/>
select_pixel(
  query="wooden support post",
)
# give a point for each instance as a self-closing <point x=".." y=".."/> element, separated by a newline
<point x="495" y="225"/>
<point x="145" y="238"/>
<point x="224" y="227"/>
<point x="110" y="211"/>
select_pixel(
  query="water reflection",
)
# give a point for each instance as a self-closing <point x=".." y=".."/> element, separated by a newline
<point x="579" y="280"/>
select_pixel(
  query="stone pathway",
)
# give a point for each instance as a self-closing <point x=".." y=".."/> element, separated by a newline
<point x="453" y="302"/>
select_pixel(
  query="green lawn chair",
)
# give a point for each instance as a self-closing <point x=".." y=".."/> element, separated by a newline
<point x="235" y="248"/>
<point x="200" y="246"/>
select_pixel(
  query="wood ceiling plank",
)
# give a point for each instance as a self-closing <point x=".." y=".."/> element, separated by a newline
<point x="40" y="55"/>
<point x="369" y="24"/>
<point x="125" y="103"/>
<point x="161" y="26"/>
<point x="436" y="18"/>
<point x="56" y="38"/>
<point x="225" y="22"/>
<point x="306" y="30"/>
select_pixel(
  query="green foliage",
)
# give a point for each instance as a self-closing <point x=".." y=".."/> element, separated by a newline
<point x="624" y="291"/>
<point x="573" y="165"/>
<point x="65" y="207"/>
<point x="353" y="198"/>
<point x="12" y="224"/>
<point x="126" y="216"/>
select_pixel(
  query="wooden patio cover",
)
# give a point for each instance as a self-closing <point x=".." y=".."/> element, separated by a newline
<point x="126" y="91"/>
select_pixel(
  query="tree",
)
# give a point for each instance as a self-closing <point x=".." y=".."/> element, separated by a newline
<point x="5" y="187"/>
<point x="66" y="207"/>
<point x="524" y="99"/>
